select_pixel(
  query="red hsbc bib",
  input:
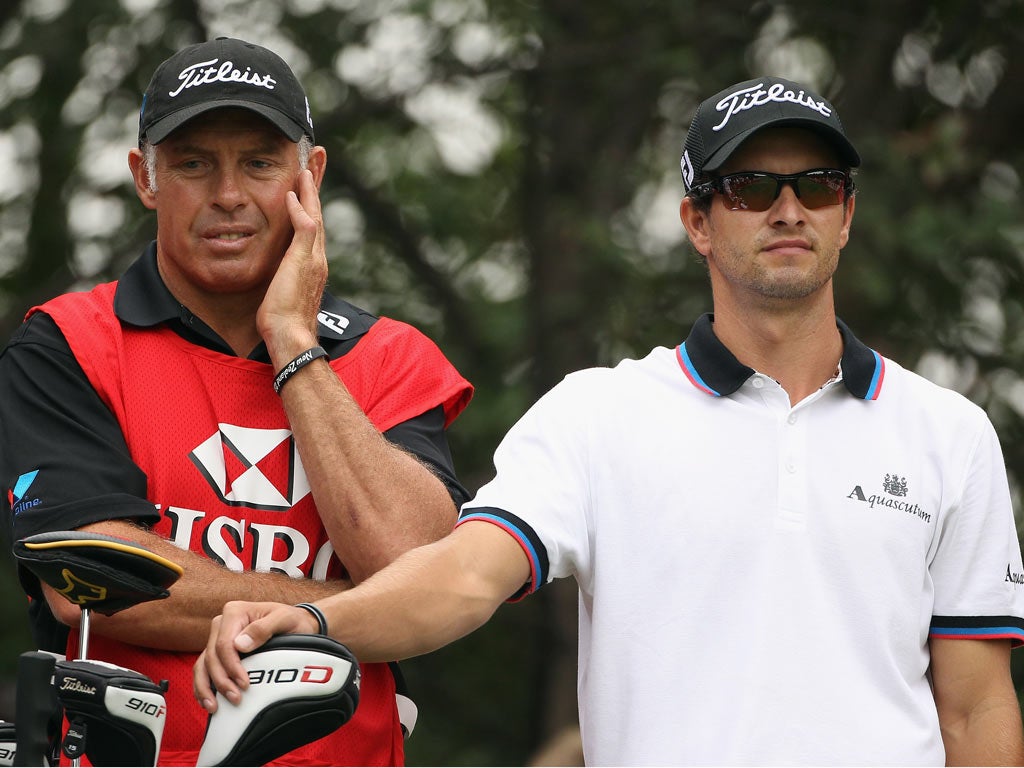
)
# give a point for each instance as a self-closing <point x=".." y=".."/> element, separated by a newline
<point x="222" y="468"/>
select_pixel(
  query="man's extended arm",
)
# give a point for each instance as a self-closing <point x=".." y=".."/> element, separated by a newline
<point x="978" y="709"/>
<point x="427" y="598"/>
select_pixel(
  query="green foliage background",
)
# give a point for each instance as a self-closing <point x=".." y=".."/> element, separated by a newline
<point x="503" y="173"/>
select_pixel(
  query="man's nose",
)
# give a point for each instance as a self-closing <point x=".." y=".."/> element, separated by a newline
<point x="228" y="192"/>
<point x="787" y="207"/>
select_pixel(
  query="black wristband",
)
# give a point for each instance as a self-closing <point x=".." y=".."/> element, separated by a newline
<point x="321" y="620"/>
<point x="307" y="357"/>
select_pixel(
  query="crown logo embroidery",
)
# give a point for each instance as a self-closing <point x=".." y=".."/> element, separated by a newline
<point x="895" y="485"/>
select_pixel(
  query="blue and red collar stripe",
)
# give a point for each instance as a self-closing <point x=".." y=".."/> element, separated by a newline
<point x="683" y="358"/>
<point x="877" y="378"/>
<point x="710" y="367"/>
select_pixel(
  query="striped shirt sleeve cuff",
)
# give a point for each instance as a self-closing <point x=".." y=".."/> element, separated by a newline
<point x="978" y="628"/>
<point x="519" y="530"/>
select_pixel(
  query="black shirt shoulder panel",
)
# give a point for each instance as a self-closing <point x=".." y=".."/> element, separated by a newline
<point x="424" y="436"/>
<point x="61" y="449"/>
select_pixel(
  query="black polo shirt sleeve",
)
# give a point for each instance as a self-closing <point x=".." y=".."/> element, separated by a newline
<point x="62" y="453"/>
<point x="424" y="437"/>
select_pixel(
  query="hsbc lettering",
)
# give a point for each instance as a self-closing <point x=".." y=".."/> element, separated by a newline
<point x="216" y="532"/>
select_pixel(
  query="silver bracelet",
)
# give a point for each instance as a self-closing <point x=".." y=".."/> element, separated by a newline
<point x="321" y="620"/>
<point x="300" y="362"/>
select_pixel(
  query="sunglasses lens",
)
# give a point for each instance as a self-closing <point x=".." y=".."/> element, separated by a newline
<point x="821" y="188"/>
<point x="749" y="192"/>
<point x="758" y="191"/>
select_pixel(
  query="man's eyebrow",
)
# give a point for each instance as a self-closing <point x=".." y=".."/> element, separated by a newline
<point x="186" y="149"/>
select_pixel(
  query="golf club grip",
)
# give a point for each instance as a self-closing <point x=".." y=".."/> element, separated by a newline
<point x="34" y="704"/>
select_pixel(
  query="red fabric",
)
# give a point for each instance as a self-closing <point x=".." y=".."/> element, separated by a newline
<point x="213" y="439"/>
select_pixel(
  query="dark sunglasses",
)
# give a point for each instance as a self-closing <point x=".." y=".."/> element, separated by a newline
<point x="757" y="190"/>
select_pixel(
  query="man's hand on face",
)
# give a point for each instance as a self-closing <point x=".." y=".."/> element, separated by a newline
<point x="287" y="317"/>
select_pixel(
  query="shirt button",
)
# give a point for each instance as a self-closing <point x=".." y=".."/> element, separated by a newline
<point x="791" y="467"/>
<point x="758" y="382"/>
<point x="792" y="418"/>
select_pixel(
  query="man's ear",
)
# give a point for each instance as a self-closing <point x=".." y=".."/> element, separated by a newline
<point x="848" y="208"/>
<point x="137" y="165"/>
<point x="695" y="220"/>
<point x="317" y="164"/>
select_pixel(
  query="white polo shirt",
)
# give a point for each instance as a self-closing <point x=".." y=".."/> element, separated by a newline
<point x="758" y="582"/>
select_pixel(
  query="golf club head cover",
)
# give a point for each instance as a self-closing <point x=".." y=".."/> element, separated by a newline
<point x="116" y="715"/>
<point x="8" y="743"/>
<point x="103" y="573"/>
<point x="301" y="688"/>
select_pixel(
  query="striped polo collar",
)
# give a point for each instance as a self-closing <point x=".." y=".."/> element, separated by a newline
<point x="713" y="369"/>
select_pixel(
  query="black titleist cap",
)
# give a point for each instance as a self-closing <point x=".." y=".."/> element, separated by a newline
<point x="724" y="121"/>
<point x="223" y="73"/>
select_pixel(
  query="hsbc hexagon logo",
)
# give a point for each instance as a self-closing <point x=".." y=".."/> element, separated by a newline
<point x="256" y="468"/>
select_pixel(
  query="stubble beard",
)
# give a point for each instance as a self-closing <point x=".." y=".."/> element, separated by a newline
<point x="778" y="282"/>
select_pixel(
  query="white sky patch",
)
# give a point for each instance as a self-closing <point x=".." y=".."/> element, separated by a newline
<point x="982" y="74"/>
<point x="451" y="12"/>
<point x="395" y="59"/>
<point x="466" y="134"/>
<point x="103" y="159"/>
<point x="45" y="10"/>
<point x="499" y="275"/>
<point x="946" y="83"/>
<point x="912" y="59"/>
<point x="105" y="62"/>
<point x="1000" y="182"/>
<point x="655" y="209"/>
<point x="89" y="259"/>
<point x="305" y="7"/>
<point x="1008" y="385"/>
<point x="19" y="171"/>
<point x="92" y="215"/>
<point x="12" y="249"/>
<point x="344" y="222"/>
<point x="971" y="87"/>
<point x="475" y="43"/>
<point x="10" y="175"/>
<point x="20" y="78"/>
<point x="947" y="372"/>
<point x="108" y="165"/>
<point x="802" y="59"/>
<point x="141" y="7"/>
<point x="986" y="324"/>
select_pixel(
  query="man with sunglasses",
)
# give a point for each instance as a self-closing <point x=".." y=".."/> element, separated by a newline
<point x="789" y="549"/>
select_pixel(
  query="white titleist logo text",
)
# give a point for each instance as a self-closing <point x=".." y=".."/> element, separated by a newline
<point x="756" y="96"/>
<point x="204" y="73"/>
<point x="70" y="684"/>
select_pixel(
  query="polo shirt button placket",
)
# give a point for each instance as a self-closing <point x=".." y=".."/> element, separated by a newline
<point x="792" y="499"/>
<point x="791" y="462"/>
